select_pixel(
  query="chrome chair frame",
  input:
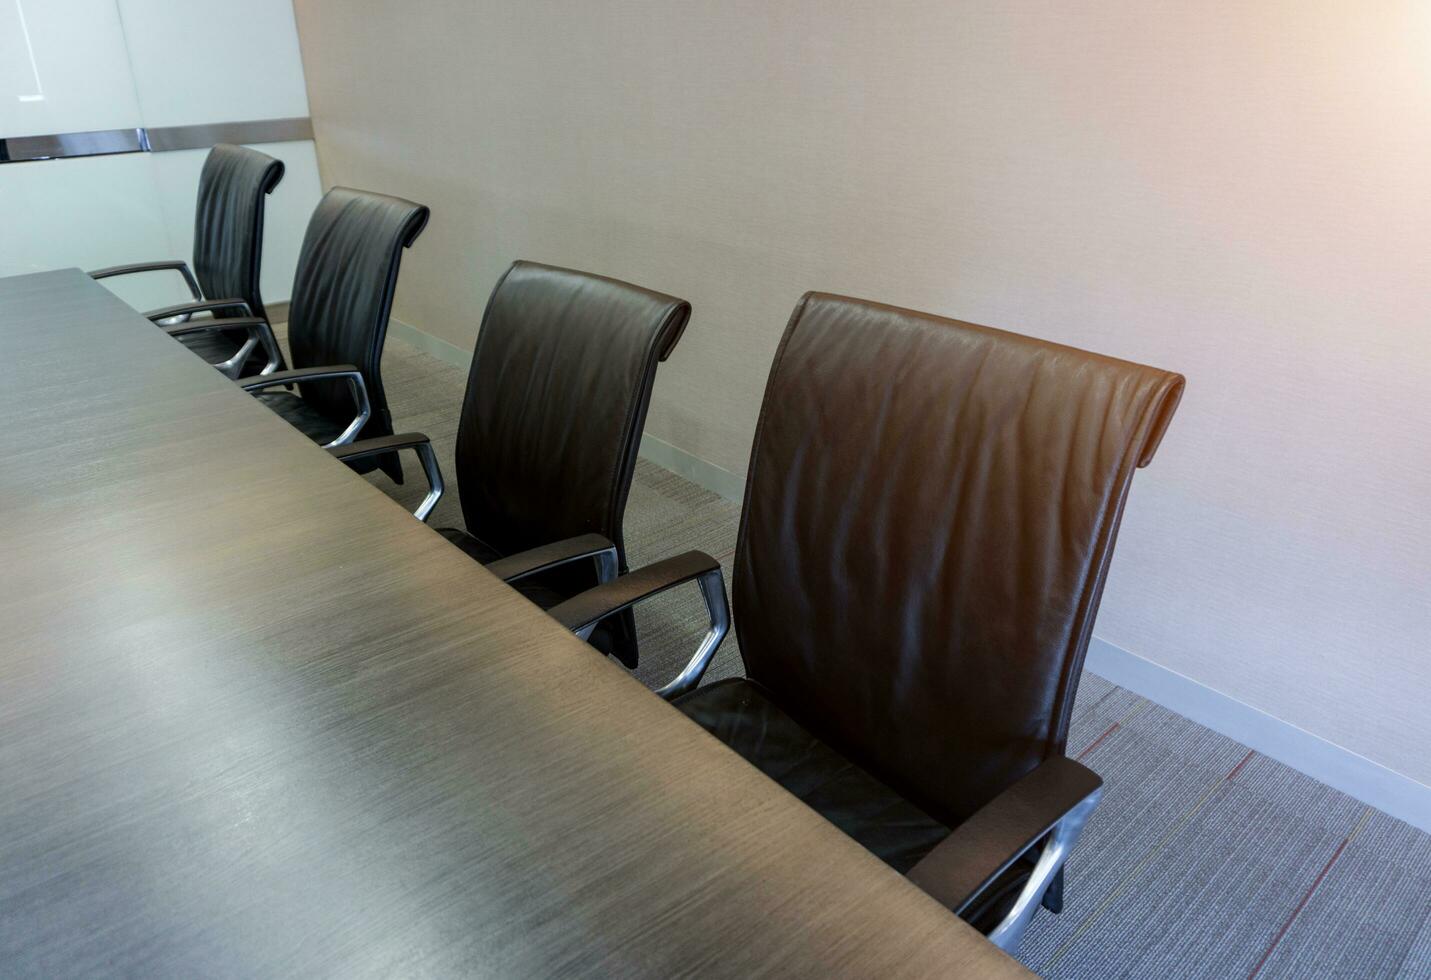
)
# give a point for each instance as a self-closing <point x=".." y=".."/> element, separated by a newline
<point x="339" y="372"/>
<point x="1008" y="935"/>
<point x="260" y="331"/>
<point x="583" y="612"/>
<point x="410" y="440"/>
<point x="177" y="265"/>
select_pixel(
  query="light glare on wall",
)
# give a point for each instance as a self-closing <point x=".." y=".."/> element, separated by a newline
<point x="39" y="94"/>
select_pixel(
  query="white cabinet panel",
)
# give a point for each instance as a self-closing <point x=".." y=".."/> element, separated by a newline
<point x="19" y="72"/>
<point x="64" y="68"/>
<point x="123" y="64"/>
<point x="88" y="212"/>
<point x="209" y="61"/>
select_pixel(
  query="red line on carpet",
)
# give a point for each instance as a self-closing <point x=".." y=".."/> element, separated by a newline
<point x="1099" y="740"/>
<point x="1238" y="768"/>
<point x="1301" y="905"/>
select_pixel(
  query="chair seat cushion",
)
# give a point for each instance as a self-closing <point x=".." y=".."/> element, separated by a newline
<point x="740" y="713"/>
<point x="475" y="548"/>
<point x="214" y="346"/>
<point x="479" y="551"/>
<point x="302" y="416"/>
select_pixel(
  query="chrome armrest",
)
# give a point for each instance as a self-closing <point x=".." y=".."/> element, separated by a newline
<point x="581" y="613"/>
<point x="336" y="372"/>
<point x="259" y="333"/>
<point x="201" y="306"/>
<point x="594" y="547"/>
<point x="415" y="441"/>
<point x="1050" y="806"/>
<point x="178" y="265"/>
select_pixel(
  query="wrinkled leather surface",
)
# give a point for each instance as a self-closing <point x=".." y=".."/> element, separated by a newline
<point x="556" y="400"/>
<point x="929" y="515"/>
<point x="228" y="236"/>
<point x="228" y="222"/>
<point x="343" y="294"/>
<point x="301" y="415"/>
<point x="741" y="714"/>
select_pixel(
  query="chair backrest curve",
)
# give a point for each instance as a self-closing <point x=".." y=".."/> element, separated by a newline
<point x="228" y="222"/>
<point x="929" y="515"/>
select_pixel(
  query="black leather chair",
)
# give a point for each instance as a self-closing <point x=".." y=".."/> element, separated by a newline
<point x="551" y="422"/>
<point x="929" y="516"/>
<point x="228" y="251"/>
<point x="338" y="320"/>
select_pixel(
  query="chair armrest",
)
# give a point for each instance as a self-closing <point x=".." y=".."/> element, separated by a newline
<point x="331" y="372"/>
<point x="208" y="325"/>
<point x="379" y="444"/>
<point x="178" y="265"/>
<point x="259" y="333"/>
<point x="204" y="306"/>
<point x="540" y="559"/>
<point x="415" y="441"/>
<point x="336" y="372"/>
<point x="1053" y="802"/>
<point x="581" y="613"/>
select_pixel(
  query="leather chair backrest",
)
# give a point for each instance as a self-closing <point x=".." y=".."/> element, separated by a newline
<point x="929" y="515"/>
<point x="556" y="400"/>
<point x="228" y="222"/>
<point x="343" y="294"/>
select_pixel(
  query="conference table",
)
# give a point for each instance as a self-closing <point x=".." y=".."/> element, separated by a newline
<point x="258" y="720"/>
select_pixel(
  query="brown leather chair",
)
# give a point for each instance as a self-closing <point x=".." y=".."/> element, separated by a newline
<point x="929" y="516"/>
<point x="338" y="321"/>
<point x="551" y="422"/>
<point x="228" y="251"/>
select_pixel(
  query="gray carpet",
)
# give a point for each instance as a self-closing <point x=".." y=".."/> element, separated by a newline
<point x="1204" y="859"/>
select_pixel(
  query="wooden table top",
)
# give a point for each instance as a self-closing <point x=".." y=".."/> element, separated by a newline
<point x="257" y="720"/>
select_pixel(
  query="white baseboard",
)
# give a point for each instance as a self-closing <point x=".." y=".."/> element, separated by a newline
<point x="1340" y="768"/>
<point x="443" y="350"/>
<point x="1357" y="776"/>
<point x="721" y="481"/>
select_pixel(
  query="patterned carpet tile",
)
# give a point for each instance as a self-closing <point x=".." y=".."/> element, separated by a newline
<point x="1373" y="887"/>
<point x="1417" y="964"/>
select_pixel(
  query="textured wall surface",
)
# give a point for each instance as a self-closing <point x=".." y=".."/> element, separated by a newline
<point x="1235" y="191"/>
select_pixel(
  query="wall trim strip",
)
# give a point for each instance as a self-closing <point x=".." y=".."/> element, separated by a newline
<point x="205" y="135"/>
<point x="1389" y="791"/>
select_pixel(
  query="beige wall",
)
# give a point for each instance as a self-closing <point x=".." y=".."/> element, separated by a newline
<point x="1240" y="191"/>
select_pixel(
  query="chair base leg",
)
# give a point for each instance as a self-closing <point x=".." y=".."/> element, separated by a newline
<point x="1053" y="898"/>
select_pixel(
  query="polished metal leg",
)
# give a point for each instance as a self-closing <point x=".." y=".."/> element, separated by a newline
<point x="712" y="586"/>
<point x="1010" y="932"/>
<point x="434" y="481"/>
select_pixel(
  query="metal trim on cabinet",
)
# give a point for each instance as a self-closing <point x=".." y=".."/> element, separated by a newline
<point x="157" y="139"/>
<point x="57" y="146"/>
